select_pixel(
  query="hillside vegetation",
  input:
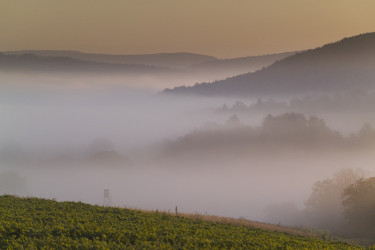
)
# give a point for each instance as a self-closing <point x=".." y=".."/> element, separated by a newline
<point x="341" y="66"/>
<point x="39" y="223"/>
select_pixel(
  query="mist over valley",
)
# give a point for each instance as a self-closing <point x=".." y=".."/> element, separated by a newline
<point x="252" y="146"/>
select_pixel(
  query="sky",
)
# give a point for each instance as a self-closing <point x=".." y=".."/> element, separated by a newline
<point x="220" y="28"/>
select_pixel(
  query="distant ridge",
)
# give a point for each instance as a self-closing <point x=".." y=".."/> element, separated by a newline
<point x="185" y="69"/>
<point x="54" y="64"/>
<point x="250" y="62"/>
<point x="172" y="60"/>
<point x="340" y="66"/>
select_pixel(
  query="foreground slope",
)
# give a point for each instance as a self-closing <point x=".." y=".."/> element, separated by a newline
<point x="341" y="66"/>
<point x="36" y="223"/>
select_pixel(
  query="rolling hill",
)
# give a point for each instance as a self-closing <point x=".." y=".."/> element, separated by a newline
<point x="171" y="60"/>
<point x="341" y="66"/>
<point x="54" y="64"/>
<point x="237" y="65"/>
<point x="168" y="70"/>
<point x="38" y="223"/>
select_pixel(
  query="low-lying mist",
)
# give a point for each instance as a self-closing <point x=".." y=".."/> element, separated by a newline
<point x="156" y="152"/>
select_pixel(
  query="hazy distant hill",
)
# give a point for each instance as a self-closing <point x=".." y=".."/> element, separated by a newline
<point x="193" y="63"/>
<point x="344" y="65"/>
<point x="172" y="60"/>
<point x="240" y="65"/>
<point x="143" y="70"/>
<point x="51" y="64"/>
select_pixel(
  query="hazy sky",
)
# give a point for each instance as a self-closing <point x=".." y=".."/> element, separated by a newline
<point x="220" y="28"/>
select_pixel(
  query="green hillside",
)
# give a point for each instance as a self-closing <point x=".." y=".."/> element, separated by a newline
<point x="39" y="223"/>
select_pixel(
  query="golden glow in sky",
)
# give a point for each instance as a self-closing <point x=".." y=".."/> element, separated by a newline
<point x="220" y="28"/>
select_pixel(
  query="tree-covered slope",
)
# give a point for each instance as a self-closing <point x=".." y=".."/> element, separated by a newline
<point x="344" y="65"/>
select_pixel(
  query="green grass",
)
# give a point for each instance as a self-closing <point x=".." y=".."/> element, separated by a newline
<point x="39" y="223"/>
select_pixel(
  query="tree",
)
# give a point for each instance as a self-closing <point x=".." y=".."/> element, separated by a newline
<point x="366" y="134"/>
<point x="324" y="205"/>
<point x="359" y="205"/>
<point x="102" y="151"/>
<point x="233" y="121"/>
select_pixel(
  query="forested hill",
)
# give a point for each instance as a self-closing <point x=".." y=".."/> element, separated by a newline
<point x="344" y="65"/>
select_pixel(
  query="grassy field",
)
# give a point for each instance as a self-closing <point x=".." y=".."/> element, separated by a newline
<point x="39" y="223"/>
